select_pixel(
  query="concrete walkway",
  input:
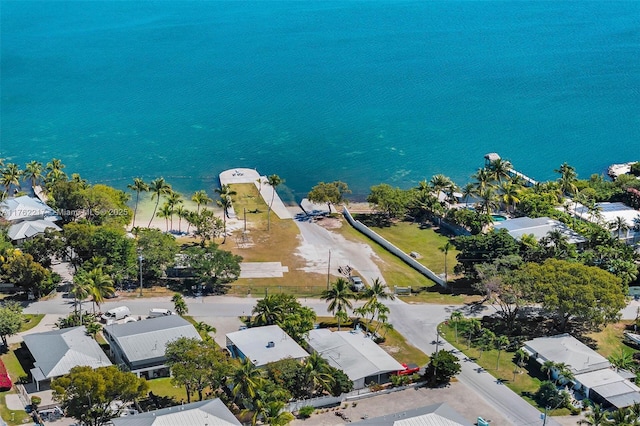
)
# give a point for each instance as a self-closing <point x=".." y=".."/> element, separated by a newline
<point x="262" y="270"/>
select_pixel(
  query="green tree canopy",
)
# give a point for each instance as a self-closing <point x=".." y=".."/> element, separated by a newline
<point x="285" y="311"/>
<point x="388" y="200"/>
<point x="442" y="367"/>
<point x="159" y="251"/>
<point x="483" y="248"/>
<point x="87" y="395"/>
<point x="213" y="267"/>
<point x="330" y="193"/>
<point x="572" y="290"/>
<point x="10" y="320"/>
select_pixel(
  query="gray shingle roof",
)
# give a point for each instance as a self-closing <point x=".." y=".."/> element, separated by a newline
<point x="58" y="351"/>
<point x="146" y="339"/>
<point x="209" y="412"/>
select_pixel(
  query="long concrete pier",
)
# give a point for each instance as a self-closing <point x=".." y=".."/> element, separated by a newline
<point x="267" y="192"/>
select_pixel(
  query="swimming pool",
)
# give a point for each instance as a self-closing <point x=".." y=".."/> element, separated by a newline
<point x="498" y="218"/>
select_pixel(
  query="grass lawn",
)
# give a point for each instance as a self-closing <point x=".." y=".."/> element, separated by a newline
<point x="30" y="321"/>
<point x="15" y="371"/>
<point x="396" y="272"/>
<point x="610" y="340"/>
<point x="410" y="237"/>
<point x="524" y="384"/>
<point x="395" y="344"/>
<point x="163" y="387"/>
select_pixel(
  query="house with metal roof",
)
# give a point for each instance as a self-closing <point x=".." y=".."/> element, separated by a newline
<point x="140" y="346"/>
<point x="539" y="227"/>
<point x="607" y="214"/>
<point x="262" y="345"/>
<point x="210" y="412"/>
<point x="593" y="375"/>
<point x="354" y="353"/>
<point x="27" y="217"/>
<point x="431" y="415"/>
<point x="56" y="352"/>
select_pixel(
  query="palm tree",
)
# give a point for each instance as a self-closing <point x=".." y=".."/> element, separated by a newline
<point x="596" y="417"/>
<point x="181" y="212"/>
<point x="274" y="181"/>
<point x="339" y="297"/>
<point x="521" y="357"/>
<point x="93" y="329"/>
<point x="267" y="311"/>
<point x="174" y="199"/>
<point x="469" y="190"/>
<point x="225" y="203"/>
<point x="455" y="318"/>
<point x="165" y="212"/>
<point x="510" y="194"/>
<point x="548" y="367"/>
<point x="137" y="186"/>
<point x="619" y="224"/>
<point x="204" y="329"/>
<point x="501" y="343"/>
<point x="179" y="305"/>
<point x="473" y="326"/>
<point x="246" y="379"/>
<point x="377" y="291"/>
<point x="54" y="171"/>
<point x="201" y="199"/>
<point x="33" y="172"/>
<point x="316" y="374"/>
<point x="101" y="285"/>
<point x="445" y="249"/>
<point x="486" y="341"/>
<point x="623" y="361"/>
<point x="273" y="414"/>
<point x="500" y="169"/>
<point x="80" y="291"/>
<point x="568" y="178"/>
<point x="158" y="187"/>
<point x="484" y="179"/>
<point x="10" y="176"/>
<point x="488" y="198"/>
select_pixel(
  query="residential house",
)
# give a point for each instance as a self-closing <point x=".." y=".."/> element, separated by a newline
<point x="262" y="345"/>
<point x="211" y="412"/>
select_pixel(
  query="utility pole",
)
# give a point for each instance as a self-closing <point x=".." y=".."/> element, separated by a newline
<point x="544" y="419"/>
<point x="140" y="259"/>
<point x="329" y="269"/>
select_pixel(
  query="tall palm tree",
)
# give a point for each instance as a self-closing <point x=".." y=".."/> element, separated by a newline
<point x="181" y="212"/>
<point x="568" y="178"/>
<point x="439" y="183"/>
<point x="596" y="416"/>
<point x="33" y="172"/>
<point x="101" y="285"/>
<point x="473" y="327"/>
<point x="225" y="203"/>
<point x="10" y="176"/>
<point x="137" y="186"/>
<point x="521" y="357"/>
<point x="500" y="169"/>
<point x="54" y="171"/>
<point x="501" y="343"/>
<point x="339" y="297"/>
<point x="469" y="190"/>
<point x="316" y="374"/>
<point x="274" y="415"/>
<point x="510" y="194"/>
<point x="267" y="311"/>
<point x="174" y="199"/>
<point x="80" y="291"/>
<point x="274" y="181"/>
<point x="158" y="187"/>
<point x="619" y="224"/>
<point x="548" y="367"/>
<point x="201" y="199"/>
<point x="179" y="305"/>
<point x="486" y="341"/>
<point x="165" y="212"/>
<point x="455" y="318"/>
<point x="488" y="198"/>
<point x="225" y="191"/>
<point x="484" y="179"/>
<point x="445" y="249"/>
<point x="246" y="380"/>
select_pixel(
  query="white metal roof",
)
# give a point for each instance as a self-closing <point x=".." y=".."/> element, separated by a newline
<point x="609" y="212"/>
<point x="538" y="227"/>
<point x="566" y="348"/>
<point x="30" y="228"/>
<point x="147" y="339"/>
<point x="254" y="344"/>
<point x="17" y="209"/>
<point x="56" y="352"/>
<point x="209" y="412"/>
<point x="599" y="377"/>
<point x="352" y="352"/>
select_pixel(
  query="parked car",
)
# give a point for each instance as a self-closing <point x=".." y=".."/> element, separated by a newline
<point x="5" y="380"/>
<point x="356" y="283"/>
<point x="408" y="369"/>
<point x="159" y="312"/>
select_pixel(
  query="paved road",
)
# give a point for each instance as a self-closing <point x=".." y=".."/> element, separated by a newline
<point x="416" y="322"/>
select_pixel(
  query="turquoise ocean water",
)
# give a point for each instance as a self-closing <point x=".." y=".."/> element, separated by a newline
<point x="366" y="92"/>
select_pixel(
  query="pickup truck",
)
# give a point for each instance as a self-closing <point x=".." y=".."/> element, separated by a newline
<point x="356" y="283"/>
